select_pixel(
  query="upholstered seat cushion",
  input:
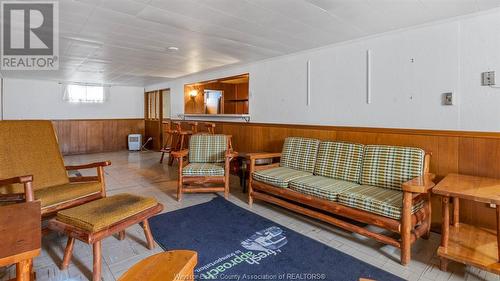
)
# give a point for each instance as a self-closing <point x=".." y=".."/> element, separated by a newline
<point x="99" y="214"/>
<point x="339" y="160"/>
<point x="390" y="166"/>
<point x="279" y="176"/>
<point x="382" y="201"/>
<point x="205" y="148"/>
<point x="322" y="187"/>
<point x="203" y="169"/>
<point x="299" y="154"/>
<point x="58" y="194"/>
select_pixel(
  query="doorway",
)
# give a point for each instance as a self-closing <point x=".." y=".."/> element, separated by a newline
<point x="156" y="111"/>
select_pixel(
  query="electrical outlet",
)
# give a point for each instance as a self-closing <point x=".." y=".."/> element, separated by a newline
<point x="448" y="99"/>
<point x="488" y="78"/>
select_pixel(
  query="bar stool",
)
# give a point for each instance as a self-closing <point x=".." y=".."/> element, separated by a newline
<point x="169" y="139"/>
<point x="182" y="137"/>
<point x="210" y="127"/>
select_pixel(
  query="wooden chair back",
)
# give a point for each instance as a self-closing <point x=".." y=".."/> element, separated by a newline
<point x="30" y="148"/>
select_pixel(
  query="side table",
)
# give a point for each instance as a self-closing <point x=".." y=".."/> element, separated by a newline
<point x="243" y="161"/>
<point x="21" y="237"/>
<point x="464" y="243"/>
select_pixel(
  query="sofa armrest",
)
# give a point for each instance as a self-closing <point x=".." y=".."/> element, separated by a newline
<point x="180" y="154"/>
<point x="29" y="194"/>
<point x="263" y="155"/>
<point x="88" y="166"/>
<point x="420" y="184"/>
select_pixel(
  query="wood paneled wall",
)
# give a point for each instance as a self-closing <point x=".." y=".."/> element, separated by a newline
<point x="92" y="136"/>
<point x="473" y="153"/>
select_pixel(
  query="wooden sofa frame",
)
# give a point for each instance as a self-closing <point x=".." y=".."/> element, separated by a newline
<point x="410" y="227"/>
<point x="197" y="184"/>
<point x="29" y="194"/>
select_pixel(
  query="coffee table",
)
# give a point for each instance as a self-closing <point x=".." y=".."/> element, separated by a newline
<point x="462" y="242"/>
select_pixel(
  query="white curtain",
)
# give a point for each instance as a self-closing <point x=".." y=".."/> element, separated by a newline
<point x="85" y="93"/>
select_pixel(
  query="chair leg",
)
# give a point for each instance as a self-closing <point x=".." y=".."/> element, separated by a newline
<point x="121" y="235"/>
<point x="96" y="273"/>
<point x="427" y="233"/>
<point x="68" y="253"/>
<point x="179" y="192"/>
<point x="147" y="233"/>
<point x="406" y="228"/>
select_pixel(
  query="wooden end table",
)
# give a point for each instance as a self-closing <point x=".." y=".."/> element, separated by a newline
<point x="462" y="242"/>
<point x="243" y="160"/>
<point x="169" y="266"/>
<point x="20" y="229"/>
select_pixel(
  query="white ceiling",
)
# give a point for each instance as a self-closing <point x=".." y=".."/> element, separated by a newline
<point x="125" y="41"/>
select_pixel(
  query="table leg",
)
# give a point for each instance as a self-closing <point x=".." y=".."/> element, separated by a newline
<point x="456" y="211"/>
<point x="244" y="176"/>
<point x="498" y="231"/>
<point x="445" y="231"/>
<point x="23" y="270"/>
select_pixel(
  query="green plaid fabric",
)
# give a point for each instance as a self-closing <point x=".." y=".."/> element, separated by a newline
<point x="322" y="187"/>
<point x="203" y="169"/>
<point x="299" y="154"/>
<point x="390" y="166"/>
<point x="205" y="148"/>
<point x="279" y="177"/>
<point x="378" y="200"/>
<point x="339" y="160"/>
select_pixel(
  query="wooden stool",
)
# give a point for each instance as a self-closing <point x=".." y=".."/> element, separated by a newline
<point x="169" y="140"/>
<point x="168" y="266"/>
<point x="182" y="138"/>
<point x="94" y="221"/>
<point x="210" y="127"/>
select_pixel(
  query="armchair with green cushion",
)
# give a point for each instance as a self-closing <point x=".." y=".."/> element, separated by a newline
<point x="32" y="168"/>
<point x="207" y="165"/>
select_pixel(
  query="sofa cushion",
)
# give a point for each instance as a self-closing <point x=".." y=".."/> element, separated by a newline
<point x="58" y="194"/>
<point x="382" y="201"/>
<point x="321" y="187"/>
<point x="390" y="166"/>
<point x="339" y="160"/>
<point x="299" y="154"/>
<point x="205" y="148"/>
<point x="203" y="169"/>
<point x="279" y="176"/>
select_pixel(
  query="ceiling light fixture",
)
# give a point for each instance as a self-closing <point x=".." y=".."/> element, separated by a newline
<point x="173" y="48"/>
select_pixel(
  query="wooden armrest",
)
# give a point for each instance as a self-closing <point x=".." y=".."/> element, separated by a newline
<point x="261" y="155"/>
<point x="232" y="154"/>
<point x="420" y="184"/>
<point x="88" y="166"/>
<point x="21" y="179"/>
<point x="180" y="154"/>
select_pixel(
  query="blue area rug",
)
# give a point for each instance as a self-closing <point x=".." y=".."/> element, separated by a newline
<point x="236" y="244"/>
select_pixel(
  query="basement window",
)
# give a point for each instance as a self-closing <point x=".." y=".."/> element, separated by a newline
<point x="84" y="94"/>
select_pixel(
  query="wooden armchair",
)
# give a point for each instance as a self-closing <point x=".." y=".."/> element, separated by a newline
<point x="32" y="168"/>
<point x="207" y="164"/>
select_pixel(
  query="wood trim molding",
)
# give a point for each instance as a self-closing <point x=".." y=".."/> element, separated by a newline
<point x="426" y="132"/>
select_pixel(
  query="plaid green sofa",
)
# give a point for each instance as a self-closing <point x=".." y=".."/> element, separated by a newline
<point x="363" y="177"/>
<point x="345" y="179"/>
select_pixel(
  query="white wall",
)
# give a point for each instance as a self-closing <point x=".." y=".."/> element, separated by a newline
<point x="35" y="99"/>
<point x="447" y="56"/>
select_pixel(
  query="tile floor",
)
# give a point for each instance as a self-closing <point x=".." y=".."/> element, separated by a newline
<point x="141" y="173"/>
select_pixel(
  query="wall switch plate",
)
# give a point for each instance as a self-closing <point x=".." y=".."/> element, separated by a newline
<point x="493" y="205"/>
<point x="488" y="78"/>
<point x="448" y="99"/>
